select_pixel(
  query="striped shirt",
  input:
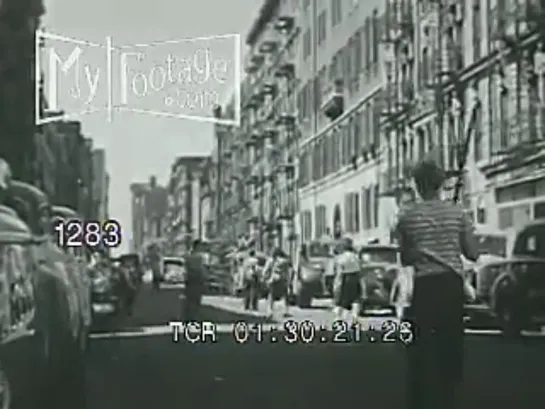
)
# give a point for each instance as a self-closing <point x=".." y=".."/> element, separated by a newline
<point x="440" y="227"/>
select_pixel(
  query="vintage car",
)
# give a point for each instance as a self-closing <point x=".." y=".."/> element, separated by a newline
<point x="380" y="267"/>
<point x="131" y="262"/>
<point x="314" y="275"/>
<point x="77" y="266"/>
<point x="173" y="271"/>
<point x="106" y="300"/>
<point x="32" y="206"/>
<point x="39" y="355"/>
<point x="513" y="291"/>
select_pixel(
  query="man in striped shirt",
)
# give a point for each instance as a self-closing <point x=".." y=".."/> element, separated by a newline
<point x="433" y="234"/>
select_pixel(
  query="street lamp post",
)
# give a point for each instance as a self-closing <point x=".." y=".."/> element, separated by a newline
<point x="219" y="171"/>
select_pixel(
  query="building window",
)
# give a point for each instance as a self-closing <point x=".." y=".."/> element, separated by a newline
<point x="356" y="211"/>
<point x="345" y="145"/>
<point x="351" y="213"/>
<point x="539" y="210"/>
<point x="513" y="216"/>
<point x="376" y="203"/>
<point x="321" y="87"/>
<point x="504" y="117"/>
<point x="320" y="221"/>
<point x="347" y="215"/>
<point x="477" y="29"/>
<point x="375" y="40"/>
<point x="357" y="60"/>
<point x="347" y="65"/>
<point x="322" y="27"/>
<point x="366" y="208"/>
<point x="481" y="215"/>
<point x="336" y="12"/>
<point x="350" y="137"/>
<point x="358" y="137"/>
<point x="335" y="153"/>
<point x="307" y="44"/>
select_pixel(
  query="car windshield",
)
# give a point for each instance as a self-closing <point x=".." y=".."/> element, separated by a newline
<point x="492" y="244"/>
<point x="379" y="254"/>
<point x="531" y="242"/>
<point x="174" y="267"/>
<point x="317" y="249"/>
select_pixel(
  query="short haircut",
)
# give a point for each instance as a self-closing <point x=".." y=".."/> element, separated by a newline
<point x="428" y="177"/>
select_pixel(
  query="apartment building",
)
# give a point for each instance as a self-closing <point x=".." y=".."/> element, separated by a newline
<point x="148" y="211"/>
<point x="468" y="71"/>
<point x="255" y="177"/>
<point x="339" y="110"/>
<point x="184" y="201"/>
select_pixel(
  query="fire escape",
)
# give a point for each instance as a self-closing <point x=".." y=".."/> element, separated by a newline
<point x="519" y="35"/>
<point x="285" y="147"/>
<point x="271" y="129"/>
<point x="399" y="93"/>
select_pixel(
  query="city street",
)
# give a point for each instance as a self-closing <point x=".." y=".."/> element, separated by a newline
<point x="134" y="363"/>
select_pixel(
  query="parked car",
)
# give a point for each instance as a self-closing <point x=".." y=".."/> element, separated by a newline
<point x="173" y="270"/>
<point x="513" y="291"/>
<point x="313" y="277"/>
<point x="77" y="269"/>
<point x="131" y="262"/>
<point x="106" y="297"/>
<point x="32" y="205"/>
<point x="380" y="266"/>
<point x="39" y="354"/>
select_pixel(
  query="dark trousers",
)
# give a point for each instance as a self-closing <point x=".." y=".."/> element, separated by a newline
<point x="192" y="302"/>
<point x="435" y="359"/>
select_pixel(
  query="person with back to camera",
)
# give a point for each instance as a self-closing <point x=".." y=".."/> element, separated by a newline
<point x="194" y="282"/>
<point x="277" y="276"/>
<point x="348" y="286"/>
<point x="251" y="281"/>
<point x="433" y="234"/>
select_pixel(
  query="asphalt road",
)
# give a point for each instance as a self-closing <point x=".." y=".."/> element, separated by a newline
<point x="134" y="363"/>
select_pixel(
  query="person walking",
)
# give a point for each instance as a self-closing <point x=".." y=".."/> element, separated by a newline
<point x="348" y="286"/>
<point x="154" y="260"/>
<point x="277" y="276"/>
<point x="251" y="281"/>
<point x="433" y="234"/>
<point x="194" y="282"/>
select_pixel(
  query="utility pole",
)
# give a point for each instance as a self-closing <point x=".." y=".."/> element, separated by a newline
<point x="218" y="130"/>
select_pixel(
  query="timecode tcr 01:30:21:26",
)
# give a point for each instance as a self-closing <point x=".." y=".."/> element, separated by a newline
<point x="92" y="233"/>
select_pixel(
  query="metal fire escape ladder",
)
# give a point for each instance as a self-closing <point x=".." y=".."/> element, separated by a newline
<point x="464" y="137"/>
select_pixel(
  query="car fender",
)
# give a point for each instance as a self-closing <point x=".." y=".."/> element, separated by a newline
<point x="500" y="282"/>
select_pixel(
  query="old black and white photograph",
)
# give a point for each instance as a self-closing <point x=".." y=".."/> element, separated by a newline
<point x="297" y="204"/>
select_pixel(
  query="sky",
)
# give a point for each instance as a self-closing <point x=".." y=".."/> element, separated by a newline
<point x="139" y="145"/>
